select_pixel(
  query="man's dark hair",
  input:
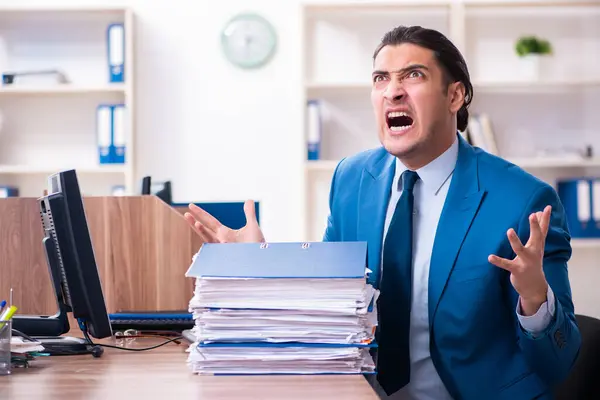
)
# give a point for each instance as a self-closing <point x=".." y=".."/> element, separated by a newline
<point x="447" y="55"/>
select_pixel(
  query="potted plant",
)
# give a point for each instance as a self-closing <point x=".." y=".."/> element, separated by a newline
<point x="533" y="52"/>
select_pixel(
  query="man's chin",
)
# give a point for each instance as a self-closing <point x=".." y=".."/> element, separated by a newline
<point x="399" y="148"/>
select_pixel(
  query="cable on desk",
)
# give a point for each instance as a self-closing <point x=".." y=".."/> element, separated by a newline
<point x="83" y="326"/>
<point x="17" y="332"/>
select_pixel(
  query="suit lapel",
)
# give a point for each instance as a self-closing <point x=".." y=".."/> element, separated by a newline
<point x="374" y="193"/>
<point x="461" y="206"/>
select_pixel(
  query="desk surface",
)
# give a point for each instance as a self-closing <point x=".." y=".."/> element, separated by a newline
<point x="162" y="373"/>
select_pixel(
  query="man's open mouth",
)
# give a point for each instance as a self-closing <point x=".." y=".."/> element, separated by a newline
<point x="398" y="121"/>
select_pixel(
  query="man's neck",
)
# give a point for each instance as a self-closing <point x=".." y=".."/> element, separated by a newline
<point x="417" y="162"/>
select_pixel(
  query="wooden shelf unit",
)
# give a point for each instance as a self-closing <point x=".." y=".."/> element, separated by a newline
<point x="49" y="126"/>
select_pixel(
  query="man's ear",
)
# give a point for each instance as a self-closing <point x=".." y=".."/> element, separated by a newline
<point x="456" y="94"/>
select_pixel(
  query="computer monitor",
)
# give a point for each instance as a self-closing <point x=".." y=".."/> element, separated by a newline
<point x="72" y="264"/>
<point x="162" y="190"/>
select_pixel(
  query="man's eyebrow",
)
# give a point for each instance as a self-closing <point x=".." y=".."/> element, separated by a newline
<point x="404" y="70"/>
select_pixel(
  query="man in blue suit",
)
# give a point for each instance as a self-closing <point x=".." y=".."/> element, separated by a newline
<point x="469" y="251"/>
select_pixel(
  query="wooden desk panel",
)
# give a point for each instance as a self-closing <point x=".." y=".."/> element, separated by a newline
<point x="143" y="248"/>
<point x="163" y="374"/>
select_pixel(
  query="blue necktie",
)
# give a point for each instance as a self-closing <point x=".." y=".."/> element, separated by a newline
<point x="393" y="358"/>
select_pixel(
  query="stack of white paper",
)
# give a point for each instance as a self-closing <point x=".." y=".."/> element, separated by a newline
<point x="284" y="309"/>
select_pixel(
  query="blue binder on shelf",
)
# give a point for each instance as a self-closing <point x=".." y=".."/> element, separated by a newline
<point x="104" y="132"/>
<point x="9" y="191"/>
<point x="118" y="136"/>
<point x="314" y="130"/>
<point x="581" y="200"/>
<point x="111" y="133"/>
<point x="116" y="52"/>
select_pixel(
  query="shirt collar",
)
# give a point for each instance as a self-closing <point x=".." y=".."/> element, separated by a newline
<point x="434" y="174"/>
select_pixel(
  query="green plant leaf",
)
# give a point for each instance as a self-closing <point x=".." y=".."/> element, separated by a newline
<point x="530" y="44"/>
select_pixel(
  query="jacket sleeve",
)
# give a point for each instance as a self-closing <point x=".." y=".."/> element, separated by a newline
<point x="332" y="230"/>
<point x="552" y="352"/>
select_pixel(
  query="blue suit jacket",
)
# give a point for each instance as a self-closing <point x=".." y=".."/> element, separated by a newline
<point x="477" y="344"/>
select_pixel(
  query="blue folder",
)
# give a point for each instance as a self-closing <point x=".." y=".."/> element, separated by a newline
<point x="281" y="260"/>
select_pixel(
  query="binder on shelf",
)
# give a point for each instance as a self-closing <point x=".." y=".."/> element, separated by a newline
<point x="581" y="199"/>
<point x="480" y="133"/>
<point x="104" y="132"/>
<point x="9" y="191"/>
<point x="116" y="52"/>
<point x="314" y="129"/>
<point x="118" y="137"/>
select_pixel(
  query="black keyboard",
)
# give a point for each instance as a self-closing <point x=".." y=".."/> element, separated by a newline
<point x="151" y="321"/>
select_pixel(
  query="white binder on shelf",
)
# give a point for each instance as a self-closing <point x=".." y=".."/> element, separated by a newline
<point x="118" y="138"/>
<point x="104" y="132"/>
<point x="314" y="129"/>
<point x="116" y="52"/>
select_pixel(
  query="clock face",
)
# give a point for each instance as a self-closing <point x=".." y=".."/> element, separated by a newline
<point x="248" y="41"/>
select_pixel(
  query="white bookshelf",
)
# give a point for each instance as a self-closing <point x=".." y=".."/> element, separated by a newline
<point x="68" y="89"/>
<point x="50" y="126"/>
<point x="533" y="120"/>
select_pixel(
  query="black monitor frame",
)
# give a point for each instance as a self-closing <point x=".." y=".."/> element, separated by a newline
<point x="163" y="192"/>
<point x="73" y="270"/>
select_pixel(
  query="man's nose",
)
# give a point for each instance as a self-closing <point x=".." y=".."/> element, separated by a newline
<point x="394" y="91"/>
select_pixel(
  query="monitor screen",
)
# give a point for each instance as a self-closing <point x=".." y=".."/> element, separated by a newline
<point x="64" y="222"/>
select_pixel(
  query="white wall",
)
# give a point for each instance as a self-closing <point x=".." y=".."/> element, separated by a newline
<point x="220" y="133"/>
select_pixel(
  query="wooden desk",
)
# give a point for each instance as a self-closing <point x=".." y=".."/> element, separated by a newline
<point x="162" y="374"/>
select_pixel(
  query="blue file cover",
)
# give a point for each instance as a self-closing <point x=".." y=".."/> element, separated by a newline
<point x="115" y="38"/>
<point x="281" y="260"/>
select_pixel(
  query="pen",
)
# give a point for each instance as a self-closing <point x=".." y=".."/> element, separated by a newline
<point x="6" y="316"/>
<point x="2" y="305"/>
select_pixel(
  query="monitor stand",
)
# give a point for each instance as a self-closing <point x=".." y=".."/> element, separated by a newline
<point x="48" y="330"/>
<point x="63" y="345"/>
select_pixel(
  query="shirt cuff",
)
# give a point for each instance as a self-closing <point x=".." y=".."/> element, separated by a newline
<point x="538" y="322"/>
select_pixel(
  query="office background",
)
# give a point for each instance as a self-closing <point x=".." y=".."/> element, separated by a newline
<point x="223" y="133"/>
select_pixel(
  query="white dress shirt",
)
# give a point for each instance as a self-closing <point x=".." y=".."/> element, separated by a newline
<point x="429" y="196"/>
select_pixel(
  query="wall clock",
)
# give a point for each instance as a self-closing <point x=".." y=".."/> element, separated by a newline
<point x="248" y="40"/>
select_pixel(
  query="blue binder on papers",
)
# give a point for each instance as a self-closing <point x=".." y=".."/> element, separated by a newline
<point x="118" y="134"/>
<point x="281" y="260"/>
<point x="115" y="41"/>
<point x="104" y="133"/>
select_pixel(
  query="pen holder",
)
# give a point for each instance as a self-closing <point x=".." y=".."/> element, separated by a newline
<point x="5" y="355"/>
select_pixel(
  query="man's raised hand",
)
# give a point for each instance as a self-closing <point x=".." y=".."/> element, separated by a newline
<point x="212" y="230"/>
<point x="526" y="269"/>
